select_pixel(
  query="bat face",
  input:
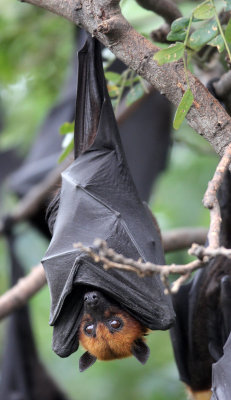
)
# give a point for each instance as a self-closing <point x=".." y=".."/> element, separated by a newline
<point x="107" y="332"/>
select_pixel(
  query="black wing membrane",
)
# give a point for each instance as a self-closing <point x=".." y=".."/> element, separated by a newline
<point x="203" y="315"/>
<point x="221" y="382"/>
<point x="99" y="200"/>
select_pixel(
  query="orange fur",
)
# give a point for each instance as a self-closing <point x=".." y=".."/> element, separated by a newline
<point x="109" y="346"/>
<point x="199" y="395"/>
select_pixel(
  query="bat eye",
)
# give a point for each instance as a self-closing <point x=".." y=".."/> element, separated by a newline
<point x="116" y="324"/>
<point x="89" y="329"/>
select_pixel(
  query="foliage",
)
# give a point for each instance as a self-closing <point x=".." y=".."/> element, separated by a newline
<point x="35" y="48"/>
<point x="191" y="38"/>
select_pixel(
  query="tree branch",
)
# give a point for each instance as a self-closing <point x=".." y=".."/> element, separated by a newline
<point x="206" y="253"/>
<point x="211" y="202"/>
<point x="103" y="19"/>
<point x="19" y="294"/>
<point x="111" y="259"/>
<point x="165" y="8"/>
<point x="182" y="238"/>
<point x="35" y="197"/>
<point x="36" y="279"/>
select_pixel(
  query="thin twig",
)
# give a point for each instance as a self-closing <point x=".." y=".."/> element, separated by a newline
<point x="207" y="253"/>
<point x="35" y="280"/>
<point x="111" y="259"/>
<point x="210" y="198"/>
<point x="178" y="282"/>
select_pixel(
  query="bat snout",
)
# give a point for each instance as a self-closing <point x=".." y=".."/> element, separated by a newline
<point x="91" y="299"/>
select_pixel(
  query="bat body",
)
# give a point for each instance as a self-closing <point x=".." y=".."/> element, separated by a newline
<point x="98" y="199"/>
<point x="203" y="317"/>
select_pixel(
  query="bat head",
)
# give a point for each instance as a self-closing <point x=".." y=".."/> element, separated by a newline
<point x="107" y="332"/>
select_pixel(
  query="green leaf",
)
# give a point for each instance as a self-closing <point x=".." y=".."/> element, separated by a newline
<point x="203" y="35"/>
<point x="67" y="150"/>
<point x="204" y="11"/>
<point x="134" y="94"/>
<point x="180" y="24"/>
<point x="183" y="108"/>
<point x="227" y="5"/>
<point x="67" y="127"/>
<point x="113" y="90"/>
<point x="228" y="32"/>
<point x="172" y="53"/>
<point x="174" y="36"/>
<point x="218" y="42"/>
<point x="112" y="77"/>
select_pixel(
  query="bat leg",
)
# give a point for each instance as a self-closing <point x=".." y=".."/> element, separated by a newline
<point x="199" y="394"/>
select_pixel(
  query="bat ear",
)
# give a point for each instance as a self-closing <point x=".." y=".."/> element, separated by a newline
<point x="86" y="361"/>
<point x="141" y="351"/>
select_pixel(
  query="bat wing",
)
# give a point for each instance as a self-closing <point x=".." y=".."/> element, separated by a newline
<point x="221" y="375"/>
<point x="179" y="333"/>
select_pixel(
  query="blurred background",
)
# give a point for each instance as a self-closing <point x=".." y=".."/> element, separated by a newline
<point x="35" y="52"/>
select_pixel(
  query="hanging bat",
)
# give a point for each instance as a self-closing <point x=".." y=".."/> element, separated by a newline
<point x="98" y="199"/>
<point x="203" y="317"/>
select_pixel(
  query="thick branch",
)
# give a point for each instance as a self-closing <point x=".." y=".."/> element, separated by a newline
<point x="103" y="19"/>
<point x="35" y="197"/>
<point x="19" y="294"/>
<point x="182" y="238"/>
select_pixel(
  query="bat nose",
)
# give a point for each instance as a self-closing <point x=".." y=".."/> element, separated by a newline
<point x="91" y="299"/>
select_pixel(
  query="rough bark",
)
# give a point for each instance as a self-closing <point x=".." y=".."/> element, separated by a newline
<point x="103" y="19"/>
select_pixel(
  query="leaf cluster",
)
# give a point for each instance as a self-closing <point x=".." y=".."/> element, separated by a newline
<point x="201" y="28"/>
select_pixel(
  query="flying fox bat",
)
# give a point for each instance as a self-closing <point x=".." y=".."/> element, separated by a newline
<point x="98" y="199"/>
<point x="23" y="376"/>
<point x="203" y="319"/>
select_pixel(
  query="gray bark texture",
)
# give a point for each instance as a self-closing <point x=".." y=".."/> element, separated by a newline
<point x="103" y="19"/>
